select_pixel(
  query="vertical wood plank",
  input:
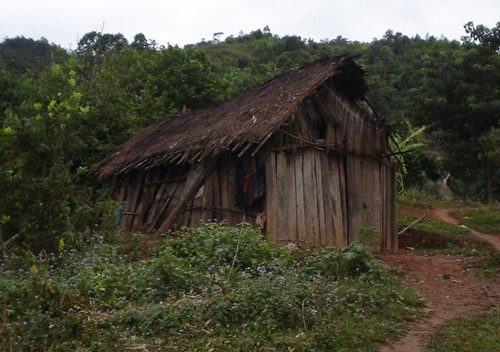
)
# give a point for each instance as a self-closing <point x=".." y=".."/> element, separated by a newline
<point x="271" y="198"/>
<point x="292" y="201"/>
<point x="283" y="215"/>
<point x="311" y="209"/>
<point x="135" y="191"/>
<point x="224" y="196"/>
<point x="299" y="195"/>
<point x="354" y="190"/>
<point x="329" y="193"/>
<point x="318" y="173"/>
<point x="342" y="228"/>
<point x="142" y="202"/>
<point x="208" y="196"/>
<point x="152" y="189"/>
<point x="216" y="196"/>
<point x="167" y="197"/>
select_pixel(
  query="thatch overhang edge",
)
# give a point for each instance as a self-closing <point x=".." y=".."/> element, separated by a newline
<point x="247" y="120"/>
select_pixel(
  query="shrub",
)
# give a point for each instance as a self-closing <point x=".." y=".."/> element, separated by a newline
<point x="215" y="287"/>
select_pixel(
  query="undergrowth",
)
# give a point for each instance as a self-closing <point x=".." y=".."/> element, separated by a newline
<point x="416" y="199"/>
<point x="214" y="288"/>
<point x="468" y="335"/>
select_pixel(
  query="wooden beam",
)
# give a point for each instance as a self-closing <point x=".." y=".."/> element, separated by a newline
<point x="198" y="174"/>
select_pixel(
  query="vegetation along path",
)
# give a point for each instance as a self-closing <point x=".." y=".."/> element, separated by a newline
<point x="446" y="283"/>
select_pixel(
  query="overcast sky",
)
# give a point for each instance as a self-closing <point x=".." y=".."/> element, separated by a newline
<point x="182" y="22"/>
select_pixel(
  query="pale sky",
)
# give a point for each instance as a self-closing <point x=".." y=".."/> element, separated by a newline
<point x="182" y="22"/>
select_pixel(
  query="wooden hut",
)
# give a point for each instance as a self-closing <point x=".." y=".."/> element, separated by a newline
<point x="304" y="153"/>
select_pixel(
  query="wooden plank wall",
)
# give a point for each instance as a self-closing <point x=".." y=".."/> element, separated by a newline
<point x="218" y="201"/>
<point x="304" y="204"/>
<point x="369" y="198"/>
<point x="316" y="196"/>
<point x="343" y="187"/>
<point x="149" y="196"/>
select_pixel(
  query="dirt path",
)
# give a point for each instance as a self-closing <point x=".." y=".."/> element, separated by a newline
<point x="448" y="286"/>
<point x="446" y="283"/>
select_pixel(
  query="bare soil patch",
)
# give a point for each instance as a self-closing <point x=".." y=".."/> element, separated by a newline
<point x="446" y="283"/>
<point x="449" y="287"/>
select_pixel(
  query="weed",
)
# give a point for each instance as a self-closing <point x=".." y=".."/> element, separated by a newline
<point x="489" y="266"/>
<point x="468" y="335"/>
<point x="370" y="237"/>
<point x="211" y="288"/>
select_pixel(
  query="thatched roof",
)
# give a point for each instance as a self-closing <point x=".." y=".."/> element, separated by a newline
<point x="239" y="125"/>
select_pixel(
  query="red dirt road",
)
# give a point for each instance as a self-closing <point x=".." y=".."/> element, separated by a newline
<point x="446" y="283"/>
<point x="448" y="286"/>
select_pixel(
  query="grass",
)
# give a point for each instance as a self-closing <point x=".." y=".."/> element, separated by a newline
<point x="468" y="335"/>
<point x="214" y="288"/>
<point x="482" y="220"/>
<point x="489" y="267"/>
<point x="418" y="200"/>
<point x="439" y="229"/>
<point x="433" y="227"/>
<point x="434" y="236"/>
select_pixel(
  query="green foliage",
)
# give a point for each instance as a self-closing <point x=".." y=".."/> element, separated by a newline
<point x="216" y="245"/>
<point x="20" y="54"/>
<point x="370" y="237"/>
<point x="489" y="38"/>
<point x="416" y="198"/>
<point x="457" y="123"/>
<point x="422" y="169"/>
<point x="482" y="220"/>
<point x="190" y="296"/>
<point x="468" y="335"/>
<point x="39" y="149"/>
<point x="74" y="108"/>
<point x="401" y="146"/>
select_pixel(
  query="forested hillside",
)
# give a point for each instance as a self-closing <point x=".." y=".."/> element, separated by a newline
<point x="61" y="112"/>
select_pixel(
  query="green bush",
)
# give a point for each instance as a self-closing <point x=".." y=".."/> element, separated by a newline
<point x="214" y="245"/>
<point x="215" y="287"/>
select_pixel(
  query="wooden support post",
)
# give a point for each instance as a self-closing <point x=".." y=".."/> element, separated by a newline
<point x="394" y="226"/>
<point x="197" y="176"/>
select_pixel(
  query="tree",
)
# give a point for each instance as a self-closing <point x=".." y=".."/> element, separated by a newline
<point x="490" y="155"/>
<point x="39" y="148"/>
<point x="460" y="101"/>
<point x="20" y="55"/>
<point x="489" y="38"/>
